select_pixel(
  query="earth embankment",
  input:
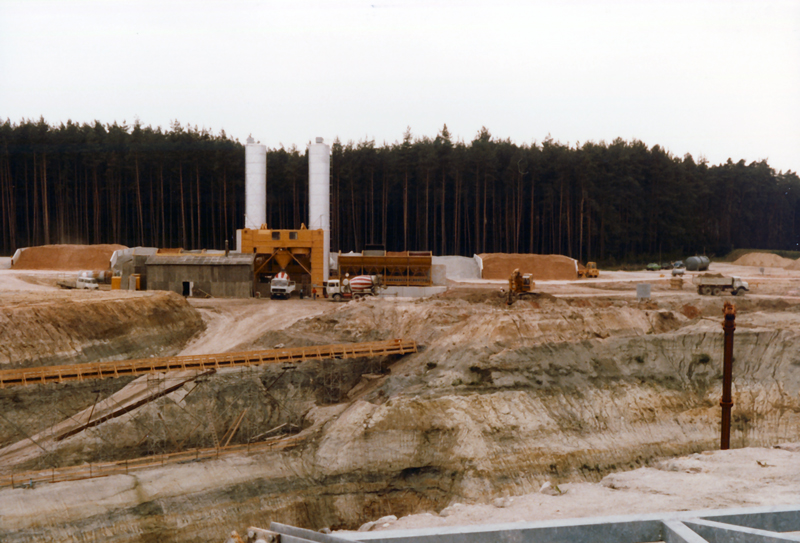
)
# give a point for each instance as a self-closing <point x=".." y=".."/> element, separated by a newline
<point x="499" y="400"/>
<point x="57" y="327"/>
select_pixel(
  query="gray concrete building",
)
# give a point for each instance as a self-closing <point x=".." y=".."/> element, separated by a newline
<point x="202" y="275"/>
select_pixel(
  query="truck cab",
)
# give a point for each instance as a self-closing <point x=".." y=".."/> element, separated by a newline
<point x="281" y="286"/>
<point x="87" y="283"/>
<point x="334" y="290"/>
<point x="739" y="286"/>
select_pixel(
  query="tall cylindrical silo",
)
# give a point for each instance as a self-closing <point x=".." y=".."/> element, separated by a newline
<point x="319" y="190"/>
<point x="255" y="185"/>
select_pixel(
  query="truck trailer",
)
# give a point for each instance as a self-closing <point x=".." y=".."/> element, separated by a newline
<point x="711" y="285"/>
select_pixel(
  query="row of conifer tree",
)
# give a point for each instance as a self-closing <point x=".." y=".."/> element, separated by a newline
<point x="184" y="187"/>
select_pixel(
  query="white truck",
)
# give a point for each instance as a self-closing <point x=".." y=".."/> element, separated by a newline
<point x="280" y="286"/>
<point x="711" y="285"/>
<point x="355" y="287"/>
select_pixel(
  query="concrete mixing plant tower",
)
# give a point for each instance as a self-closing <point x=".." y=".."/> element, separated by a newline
<point x="255" y="187"/>
<point x="319" y="189"/>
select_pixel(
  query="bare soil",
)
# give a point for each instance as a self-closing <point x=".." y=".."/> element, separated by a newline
<point x="613" y="400"/>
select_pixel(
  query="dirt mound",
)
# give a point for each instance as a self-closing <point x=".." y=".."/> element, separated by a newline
<point x="543" y="267"/>
<point x="67" y="327"/>
<point x="690" y="311"/>
<point x="494" y="297"/>
<point x="795" y="265"/>
<point x="766" y="260"/>
<point x="66" y="257"/>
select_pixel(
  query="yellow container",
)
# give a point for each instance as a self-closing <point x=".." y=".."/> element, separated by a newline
<point x="138" y="278"/>
<point x="116" y="282"/>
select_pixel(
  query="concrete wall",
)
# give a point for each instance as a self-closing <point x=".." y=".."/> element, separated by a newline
<point x="439" y="275"/>
<point x="222" y="281"/>
<point x="413" y="292"/>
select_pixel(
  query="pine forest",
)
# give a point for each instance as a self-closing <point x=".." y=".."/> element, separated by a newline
<point x="184" y="187"/>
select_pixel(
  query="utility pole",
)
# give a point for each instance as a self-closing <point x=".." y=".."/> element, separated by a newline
<point x="728" y="325"/>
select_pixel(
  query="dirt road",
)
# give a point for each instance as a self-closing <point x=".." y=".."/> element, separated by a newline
<point x="231" y="323"/>
<point x="579" y="386"/>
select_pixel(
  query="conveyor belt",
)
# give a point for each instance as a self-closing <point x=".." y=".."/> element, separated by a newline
<point x="122" y="368"/>
<point x="123" y="467"/>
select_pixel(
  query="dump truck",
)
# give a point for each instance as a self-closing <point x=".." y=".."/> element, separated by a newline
<point x="711" y="285"/>
<point x="519" y="286"/>
<point x="280" y="286"/>
<point x="354" y="287"/>
<point x="589" y="272"/>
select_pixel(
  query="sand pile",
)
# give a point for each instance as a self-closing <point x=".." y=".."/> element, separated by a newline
<point x="764" y="260"/>
<point x="795" y="265"/>
<point x="543" y="267"/>
<point x="66" y="257"/>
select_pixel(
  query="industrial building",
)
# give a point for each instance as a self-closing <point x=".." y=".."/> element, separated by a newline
<point x="406" y="269"/>
<point x="302" y="253"/>
<point x="221" y="276"/>
<point x="262" y="252"/>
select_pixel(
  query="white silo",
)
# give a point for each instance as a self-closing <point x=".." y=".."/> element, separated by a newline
<point x="319" y="195"/>
<point x="255" y="184"/>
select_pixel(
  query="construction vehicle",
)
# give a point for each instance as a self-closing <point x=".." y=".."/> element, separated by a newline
<point x="87" y="282"/>
<point x="280" y="286"/>
<point x="355" y="287"/>
<point x="519" y="286"/>
<point x="589" y="272"/>
<point x="711" y="285"/>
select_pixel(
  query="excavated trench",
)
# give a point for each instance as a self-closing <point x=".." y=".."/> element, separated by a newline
<point x="498" y="401"/>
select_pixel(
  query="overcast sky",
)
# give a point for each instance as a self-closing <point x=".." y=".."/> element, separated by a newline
<point x="716" y="79"/>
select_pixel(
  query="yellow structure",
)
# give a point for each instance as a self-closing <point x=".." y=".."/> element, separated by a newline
<point x="590" y="271"/>
<point x="411" y="269"/>
<point x="300" y="253"/>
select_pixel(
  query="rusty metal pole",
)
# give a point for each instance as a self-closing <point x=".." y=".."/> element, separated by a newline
<point x="728" y="325"/>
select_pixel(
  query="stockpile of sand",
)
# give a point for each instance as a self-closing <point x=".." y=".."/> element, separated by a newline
<point x="66" y="257"/>
<point x="795" y="265"/>
<point x="765" y="260"/>
<point x="543" y="267"/>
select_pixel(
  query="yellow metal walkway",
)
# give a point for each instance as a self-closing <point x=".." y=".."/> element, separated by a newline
<point x="105" y="370"/>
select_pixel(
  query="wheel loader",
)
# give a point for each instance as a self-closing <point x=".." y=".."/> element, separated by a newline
<point x="589" y="272"/>
<point x="519" y="286"/>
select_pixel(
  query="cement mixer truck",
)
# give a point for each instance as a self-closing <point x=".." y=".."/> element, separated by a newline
<point x="354" y="287"/>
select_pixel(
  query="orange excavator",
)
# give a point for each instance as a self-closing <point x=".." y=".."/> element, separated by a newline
<point x="519" y="286"/>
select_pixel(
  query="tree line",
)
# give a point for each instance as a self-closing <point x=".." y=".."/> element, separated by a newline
<point x="184" y="187"/>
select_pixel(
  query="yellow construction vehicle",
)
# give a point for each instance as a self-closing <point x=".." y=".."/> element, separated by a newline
<point x="519" y="286"/>
<point x="589" y="272"/>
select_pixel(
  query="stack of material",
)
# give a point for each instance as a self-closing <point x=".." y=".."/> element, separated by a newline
<point x="66" y="257"/>
<point x="543" y="267"/>
<point x="765" y="260"/>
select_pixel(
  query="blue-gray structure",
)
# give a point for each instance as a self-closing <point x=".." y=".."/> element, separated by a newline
<point x="751" y="525"/>
<point x="697" y="263"/>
